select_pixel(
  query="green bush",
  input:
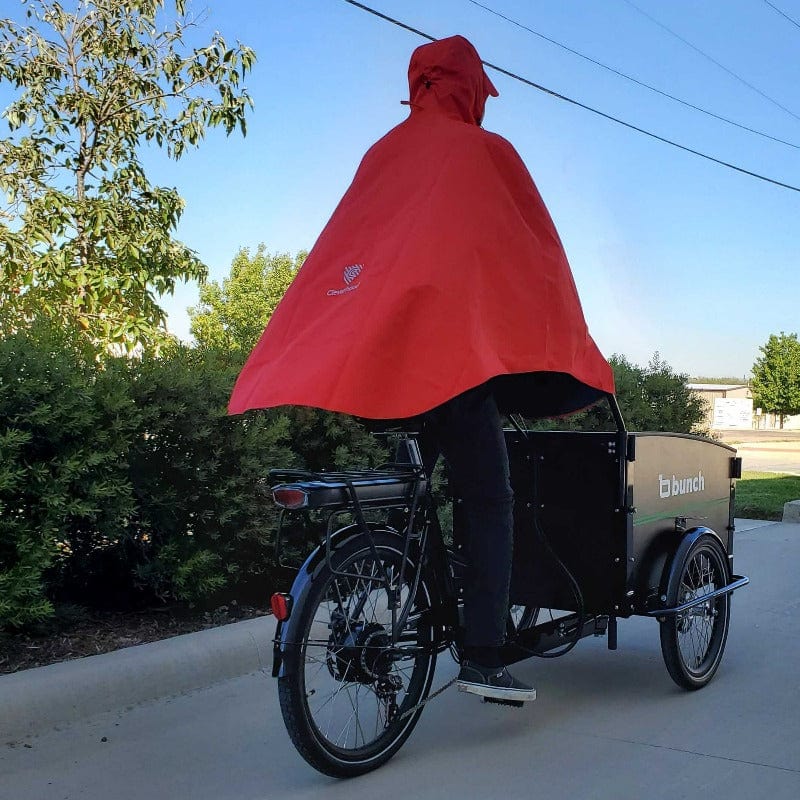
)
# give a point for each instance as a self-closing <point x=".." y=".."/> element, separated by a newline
<point x="64" y="435"/>
<point x="203" y="522"/>
<point x="124" y="481"/>
<point x="200" y="522"/>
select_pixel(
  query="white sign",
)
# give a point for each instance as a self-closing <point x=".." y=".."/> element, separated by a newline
<point x="734" y="412"/>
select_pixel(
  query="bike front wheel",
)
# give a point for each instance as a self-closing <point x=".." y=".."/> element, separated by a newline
<point x="693" y="641"/>
<point x="352" y="701"/>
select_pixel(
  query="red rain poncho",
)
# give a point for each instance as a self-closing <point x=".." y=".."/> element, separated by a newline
<point x="439" y="269"/>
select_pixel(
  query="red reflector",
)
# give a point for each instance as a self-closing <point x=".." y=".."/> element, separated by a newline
<point x="290" y="498"/>
<point x="281" y="605"/>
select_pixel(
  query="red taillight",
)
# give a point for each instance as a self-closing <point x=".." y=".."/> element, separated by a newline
<point x="281" y="604"/>
<point x="290" y="498"/>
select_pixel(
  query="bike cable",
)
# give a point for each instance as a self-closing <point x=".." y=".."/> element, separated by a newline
<point x="573" y="583"/>
<point x="518" y="422"/>
<point x="576" y="591"/>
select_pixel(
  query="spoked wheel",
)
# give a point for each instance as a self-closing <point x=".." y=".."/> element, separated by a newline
<point x="345" y="706"/>
<point x="692" y="642"/>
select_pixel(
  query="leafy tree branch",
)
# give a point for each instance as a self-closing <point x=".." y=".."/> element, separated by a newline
<point x="85" y="237"/>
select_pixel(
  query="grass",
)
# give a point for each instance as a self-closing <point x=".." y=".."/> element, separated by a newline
<point x="761" y="495"/>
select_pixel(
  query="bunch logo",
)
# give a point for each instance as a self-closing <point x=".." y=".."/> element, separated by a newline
<point x="672" y="485"/>
<point x="351" y="272"/>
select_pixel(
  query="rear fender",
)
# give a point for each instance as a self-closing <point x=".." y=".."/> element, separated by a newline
<point x="288" y="635"/>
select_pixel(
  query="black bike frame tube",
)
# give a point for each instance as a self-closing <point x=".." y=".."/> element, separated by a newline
<point x="420" y="491"/>
<point x="622" y="450"/>
<point x="616" y="413"/>
<point x="421" y="486"/>
<point x="399" y="623"/>
<point x="737" y="583"/>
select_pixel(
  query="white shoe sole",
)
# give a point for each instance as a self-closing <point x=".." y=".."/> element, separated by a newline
<point x="495" y="692"/>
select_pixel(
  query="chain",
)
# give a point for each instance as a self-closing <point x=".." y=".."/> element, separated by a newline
<point x="428" y="699"/>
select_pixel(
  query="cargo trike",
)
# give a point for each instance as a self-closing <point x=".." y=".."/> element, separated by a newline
<point x="607" y="526"/>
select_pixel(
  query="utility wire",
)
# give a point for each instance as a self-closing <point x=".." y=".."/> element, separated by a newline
<point x="582" y="105"/>
<point x="631" y="78"/>
<point x="783" y="14"/>
<point x="711" y="59"/>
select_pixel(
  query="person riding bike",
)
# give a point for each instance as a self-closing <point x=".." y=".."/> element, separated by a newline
<point x="440" y="290"/>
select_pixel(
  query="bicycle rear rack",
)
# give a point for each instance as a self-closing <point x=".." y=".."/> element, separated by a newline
<point x="353" y="491"/>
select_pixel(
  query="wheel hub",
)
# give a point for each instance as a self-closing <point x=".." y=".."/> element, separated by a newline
<point x="702" y="612"/>
<point x="359" y="652"/>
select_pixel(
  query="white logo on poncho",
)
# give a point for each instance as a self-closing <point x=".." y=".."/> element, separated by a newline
<point x="351" y="272"/>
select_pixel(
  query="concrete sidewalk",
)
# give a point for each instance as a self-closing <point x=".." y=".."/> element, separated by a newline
<point x="39" y="699"/>
<point x="35" y="700"/>
<point x="607" y="725"/>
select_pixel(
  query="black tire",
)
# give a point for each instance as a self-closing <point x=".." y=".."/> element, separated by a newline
<point x="693" y="641"/>
<point x="331" y="704"/>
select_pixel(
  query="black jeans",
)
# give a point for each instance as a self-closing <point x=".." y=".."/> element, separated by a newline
<point x="468" y="432"/>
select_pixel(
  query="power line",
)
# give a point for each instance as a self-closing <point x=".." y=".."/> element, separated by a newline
<point x="392" y="20"/>
<point x="711" y="59"/>
<point x="583" y="105"/>
<point x="783" y="14"/>
<point x="631" y="78"/>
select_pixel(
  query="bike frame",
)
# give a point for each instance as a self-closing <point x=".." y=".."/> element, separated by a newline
<point x="622" y="578"/>
<point x="420" y="538"/>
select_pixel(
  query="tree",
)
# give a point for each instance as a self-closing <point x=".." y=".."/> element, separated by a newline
<point x="656" y="398"/>
<point x="85" y="237"/>
<point x="651" y="398"/>
<point x="776" y="376"/>
<point x="232" y="316"/>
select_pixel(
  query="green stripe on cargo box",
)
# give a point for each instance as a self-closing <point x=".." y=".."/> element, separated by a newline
<point x="646" y="518"/>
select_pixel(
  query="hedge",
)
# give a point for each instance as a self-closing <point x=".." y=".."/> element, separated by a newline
<point x="125" y="482"/>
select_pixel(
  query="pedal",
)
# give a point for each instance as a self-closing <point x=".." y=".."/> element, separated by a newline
<point x="497" y="701"/>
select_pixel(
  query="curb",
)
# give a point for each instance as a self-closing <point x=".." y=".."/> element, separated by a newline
<point x="35" y="700"/>
<point x="791" y="511"/>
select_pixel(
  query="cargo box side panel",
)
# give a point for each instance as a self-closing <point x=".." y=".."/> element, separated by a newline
<point x="675" y="483"/>
<point x="574" y="480"/>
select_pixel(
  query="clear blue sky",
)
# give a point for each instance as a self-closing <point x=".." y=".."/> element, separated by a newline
<point x="669" y="252"/>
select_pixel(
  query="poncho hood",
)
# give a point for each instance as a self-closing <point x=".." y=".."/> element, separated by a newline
<point x="439" y="270"/>
<point x="447" y="76"/>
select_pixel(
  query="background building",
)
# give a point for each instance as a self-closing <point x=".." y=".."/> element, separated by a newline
<point x="729" y="406"/>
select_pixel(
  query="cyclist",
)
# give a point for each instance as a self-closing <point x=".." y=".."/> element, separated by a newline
<point x="440" y="289"/>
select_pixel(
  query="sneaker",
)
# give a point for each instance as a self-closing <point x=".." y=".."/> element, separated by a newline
<point x="496" y="683"/>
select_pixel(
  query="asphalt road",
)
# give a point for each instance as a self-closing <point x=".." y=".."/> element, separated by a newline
<point x="606" y="725"/>
<point x="770" y="456"/>
<point x="766" y="435"/>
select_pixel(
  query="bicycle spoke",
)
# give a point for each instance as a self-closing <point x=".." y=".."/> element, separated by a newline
<point x="344" y="666"/>
<point x="696" y="626"/>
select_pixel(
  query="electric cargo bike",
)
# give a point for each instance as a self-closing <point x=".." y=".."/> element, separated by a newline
<point x="607" y="526"/>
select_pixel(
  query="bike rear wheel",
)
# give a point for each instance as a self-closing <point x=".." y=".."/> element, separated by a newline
<point x="346" y="706"/>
